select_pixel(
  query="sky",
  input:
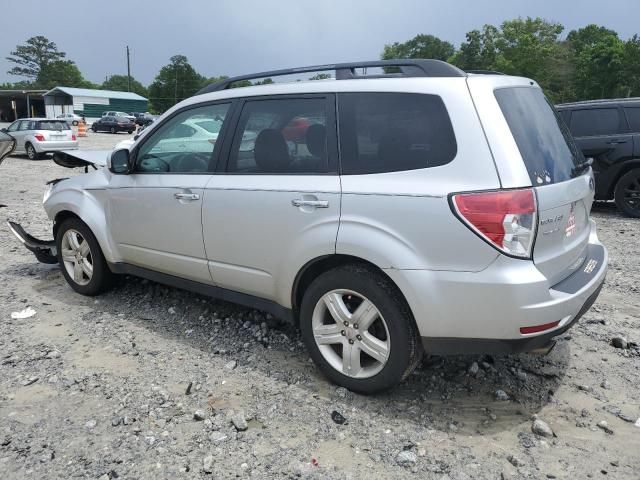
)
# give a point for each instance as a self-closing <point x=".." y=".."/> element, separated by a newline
<point x="234" y="37"/>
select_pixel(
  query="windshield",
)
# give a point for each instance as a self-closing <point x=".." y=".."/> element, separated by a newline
<point x="53" y="125"/>
<point x="544" y="141"/>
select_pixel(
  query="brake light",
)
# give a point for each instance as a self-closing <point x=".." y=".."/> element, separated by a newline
<point x="506" y="219"/>
<point x="73" y="137"/>
<point x="39" y="137"/>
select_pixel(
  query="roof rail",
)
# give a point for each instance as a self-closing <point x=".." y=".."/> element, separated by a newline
<point x="484" y="72"/>
<point x="343" y="71"/>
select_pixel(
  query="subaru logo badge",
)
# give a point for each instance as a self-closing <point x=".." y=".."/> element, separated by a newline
<point x="592" y="184"/>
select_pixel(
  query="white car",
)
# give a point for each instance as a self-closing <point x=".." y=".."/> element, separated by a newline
<point x="72" y="118"/>
<point x="38" y="136"/>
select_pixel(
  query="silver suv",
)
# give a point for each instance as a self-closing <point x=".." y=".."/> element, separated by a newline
<point x="422" y="209"/>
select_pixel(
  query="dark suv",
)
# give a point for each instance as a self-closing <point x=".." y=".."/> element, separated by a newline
<point x="609" y="132"/>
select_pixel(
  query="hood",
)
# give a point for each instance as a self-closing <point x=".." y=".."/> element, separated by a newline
<point x="81" y="158"/>
<point x="7" y="145"/>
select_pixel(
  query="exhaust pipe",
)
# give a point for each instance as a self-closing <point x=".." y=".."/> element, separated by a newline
<point x="542" y="351"/>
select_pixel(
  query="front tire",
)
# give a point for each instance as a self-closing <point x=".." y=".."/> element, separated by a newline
<point x="627" y="193"/>
<point x="81" y="259"/>
<point x="113" y="130"/>
<point x="94" y="128"/>
<point x="359" y="330"/>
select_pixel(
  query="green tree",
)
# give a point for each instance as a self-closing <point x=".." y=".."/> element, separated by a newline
<point x="266" y="81"/>
<point x="321" y="76"/>
<point x="61" y="72"/>
<point x="175" y="82"/>
<point x="420" y="46"/>
<point x="598" y="57"/>
<point x="479" y="52"/>
<point x="630" y="81"/>
<point x="120" y="83"/>
<point x="33" y="56"/>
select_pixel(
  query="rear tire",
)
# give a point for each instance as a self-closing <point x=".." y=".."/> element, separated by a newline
<point x="113" y="130"/>
<point x="369" y="357"/>
<point x="81" y="259"/>
<point x="74" y="123"/>
<point x="31" y="152"/>
<point x="94" y="129"/>
<point x="627" y="193"/>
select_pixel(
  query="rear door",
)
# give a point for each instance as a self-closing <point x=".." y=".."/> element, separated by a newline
<point x="602" y="134"/>
<point x="633" y="118"/>
<point x="276" y="205"/>
<point x="557" y="171"/>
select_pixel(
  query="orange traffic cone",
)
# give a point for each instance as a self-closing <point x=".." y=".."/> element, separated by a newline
<point x="82" y="129"/>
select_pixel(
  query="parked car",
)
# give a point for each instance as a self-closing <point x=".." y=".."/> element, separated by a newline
<point x="71" y="118"/>
<point x="145" y="119"/>
<point x="113" y="125"/>
<point x="113" y="113"/>
<point x="609" y="132"/>
<point x="428" y="211"/>
<point x="39" y="136"/>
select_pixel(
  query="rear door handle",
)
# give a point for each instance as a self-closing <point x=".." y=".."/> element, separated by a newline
<point x="310" y="203"/>
<point x="186" y="196"/>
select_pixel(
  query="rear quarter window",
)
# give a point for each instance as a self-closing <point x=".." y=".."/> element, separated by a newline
<point x="389" y="132"/>
<point x="544" y="141"/>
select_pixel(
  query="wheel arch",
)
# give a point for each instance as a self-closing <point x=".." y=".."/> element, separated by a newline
<point x="319" y="265"/>
<point x="625" y="168"/>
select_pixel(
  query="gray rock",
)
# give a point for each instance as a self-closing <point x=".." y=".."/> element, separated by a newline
<point x="199" y="415"/>
<point x="90" y="424"/>
<point x="218" y="437"/>
<point x="502" y="396"/>
<point x="231" y="365"/>
<point x="207" y="464"/>
<point x="116" y="421"/>
<point x="604" y="426"/>
<point x="541" y="428"/>
<point x="516" y="462"/>
<point x="474" y="368"/>
<point x="238" y="420"/>
<point x="407" y="458"/>
<point x="53" y="354"/>
<point x="620" y="342"/>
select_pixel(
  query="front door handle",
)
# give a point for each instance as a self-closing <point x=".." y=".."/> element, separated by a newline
<point x="616" y="142"/>
<point x="298" y="202"/>
<point x="186" y="196"/>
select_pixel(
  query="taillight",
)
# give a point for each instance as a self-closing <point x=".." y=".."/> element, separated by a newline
<point x="39" y="137"/>
<point x="506" y="219"/>
<point x="73" y="137"/>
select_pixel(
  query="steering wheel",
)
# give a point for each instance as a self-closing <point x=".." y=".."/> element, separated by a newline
<point x="196" y="161"/>
<point x="151" y="163"/>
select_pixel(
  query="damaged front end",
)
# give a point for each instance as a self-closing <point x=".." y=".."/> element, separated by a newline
<point x="46" y="250"/>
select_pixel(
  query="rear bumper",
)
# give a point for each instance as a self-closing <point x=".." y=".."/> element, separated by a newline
<point x="46" y="147"/>
<point x="483" y="312"/>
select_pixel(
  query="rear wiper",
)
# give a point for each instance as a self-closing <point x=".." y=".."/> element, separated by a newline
<point x="581" y="167"/>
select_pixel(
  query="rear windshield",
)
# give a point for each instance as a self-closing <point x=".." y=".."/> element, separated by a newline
<point x="55" y="125"/>
<point x="544" y="141"/>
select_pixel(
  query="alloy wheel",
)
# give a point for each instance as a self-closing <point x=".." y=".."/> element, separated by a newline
<point x="31" y="152"/>
<point x="76" y="256"/>
<point x="351" y="333"/>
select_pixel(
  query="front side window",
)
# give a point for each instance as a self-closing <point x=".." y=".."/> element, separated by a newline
<point x="595" y="121"/>
<point x="182" y="144"/>
<point x="281" y="136"/>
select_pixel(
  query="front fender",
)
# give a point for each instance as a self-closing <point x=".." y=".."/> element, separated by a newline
<point x="89" y="206"/>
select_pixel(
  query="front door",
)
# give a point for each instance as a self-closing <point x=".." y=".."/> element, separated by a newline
<point x="156" y="211"/>
<point x="276" y="205"/>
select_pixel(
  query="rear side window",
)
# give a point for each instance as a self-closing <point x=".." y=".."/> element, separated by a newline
<point x="595" y="121"/>
<point x="545" y="143"/>
<point x="389" y="132"/>
<point x="282" y="136"/>
<point x="633" y="115"/>
<point x="55" y="125"/>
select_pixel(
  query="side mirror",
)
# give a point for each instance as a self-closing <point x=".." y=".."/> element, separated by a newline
<point x="4" y="130"/>
<point x="136" y="136"/>
<point x="119" y="162"/>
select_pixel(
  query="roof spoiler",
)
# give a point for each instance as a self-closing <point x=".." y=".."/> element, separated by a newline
<point x="343" y="71"/>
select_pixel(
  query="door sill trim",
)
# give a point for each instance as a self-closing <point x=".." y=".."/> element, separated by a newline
<point x="218" y="293"/>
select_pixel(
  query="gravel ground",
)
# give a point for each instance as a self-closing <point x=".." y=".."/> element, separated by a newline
<point x="153" y="382"/>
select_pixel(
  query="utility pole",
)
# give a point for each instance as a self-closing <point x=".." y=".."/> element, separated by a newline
<point x="175" y="90"/>
<point x="128" y="71"/>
